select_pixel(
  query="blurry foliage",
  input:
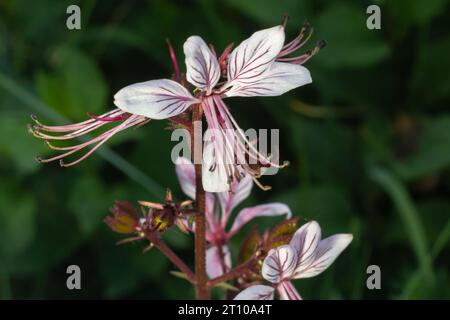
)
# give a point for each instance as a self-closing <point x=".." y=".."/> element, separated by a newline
<point x="368" y="141"/>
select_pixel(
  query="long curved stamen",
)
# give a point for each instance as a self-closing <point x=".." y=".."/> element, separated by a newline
<point x="242" y="135"/>
<point x="129" y="122"/>
<point x="70" y="127"/>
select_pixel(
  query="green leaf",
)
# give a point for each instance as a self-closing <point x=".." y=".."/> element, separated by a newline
<point x="19" y="147"/>
<point x="430" y="82"/>
<point x="409" y="215"/>
<point x="420" y="12"/>
<point x="77" y="87"/>
<point x="89" y="202"/>
<point x="350" y="44"/>
<point x="271" y="12"/>
<point x="17" y="221"/>
<point x="226" y="286"/>
<point x="433" y="153"/>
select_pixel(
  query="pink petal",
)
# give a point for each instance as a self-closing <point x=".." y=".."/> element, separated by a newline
<point x="203" y="70"/>
<point x="217" y="157"/>
<point x="253" y="56"/>
<point x="239" y="191"/>
<point x="247" y="214"/>
<point x="214" y="266"/>
<point x="279" y="264"/>
<point x="305" y="241"/>
<point x="256" y="292"/>
<point x="280" y="78"/>
<point x="186" y="176"/>
<point x="327" y="251"/>
<point x="287" y="291"/>
<point x="155" y="99"/>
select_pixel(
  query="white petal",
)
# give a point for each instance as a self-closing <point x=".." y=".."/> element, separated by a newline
<point x="279" y="264"/>
<point x="214" y="266"/>
<point x="327" y="251"/>
<point x="214" y="172"/>
<point x="247" y="214"/>
<point x="155" y="99"/>
<point x="257" y="292"/>
<point x="287" y="291"/>
<point x="305" y="241"/>
<point x="253" y="56"/>
<point x="280" y="78"/>
<point x="239" y="191"/>
<point x="203" y="70"/>
<point x="186" y="176"/>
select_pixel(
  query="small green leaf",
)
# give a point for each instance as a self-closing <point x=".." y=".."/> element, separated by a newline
<point x="249" y="245"/>
<point x="226" y="286"/>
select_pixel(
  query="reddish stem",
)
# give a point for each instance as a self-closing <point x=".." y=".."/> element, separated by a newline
<point x="202" y="290"/>
<point x="172" y="256"/>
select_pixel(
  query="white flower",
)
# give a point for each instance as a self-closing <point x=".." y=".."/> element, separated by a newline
<point x="251" y="69"/>
<point x="304" y="257"/>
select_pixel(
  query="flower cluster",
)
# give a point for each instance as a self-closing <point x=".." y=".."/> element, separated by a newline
<point x="305" y="256"/>
<point x="259" y="66"/>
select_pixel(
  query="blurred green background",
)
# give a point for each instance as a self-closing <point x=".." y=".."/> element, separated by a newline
<point x="368" y="142"/>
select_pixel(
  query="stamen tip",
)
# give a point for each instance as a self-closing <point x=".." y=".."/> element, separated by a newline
<point x="321" y="44"/>
<point x="61" y="163"/>
<point x="306" y="24"/>
<point x="34" y="118"/>
<point x="38" y="159"/>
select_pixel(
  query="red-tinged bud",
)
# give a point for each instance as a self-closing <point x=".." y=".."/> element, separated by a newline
<point x="124" y="219"/>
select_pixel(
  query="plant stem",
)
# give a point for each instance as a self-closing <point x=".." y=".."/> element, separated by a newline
<point x="200" y="241"/>
<point x="202" y="290"/>
<point x="172" y="256"/>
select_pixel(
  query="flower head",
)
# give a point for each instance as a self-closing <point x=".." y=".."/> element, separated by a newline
<point x="304" y="257"/>
<point x="259" y="66"/>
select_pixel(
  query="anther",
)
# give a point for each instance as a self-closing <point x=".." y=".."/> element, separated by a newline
<point x="34" y="118"/>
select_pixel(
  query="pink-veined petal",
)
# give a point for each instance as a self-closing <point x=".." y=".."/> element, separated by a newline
<point x="247" y="214"/>
<point x="239" y="191"/>
<point x="203" y="70"/>
<point x="186" y="176"/>
<point x="305" y="241"/>
<point x="327" y="251"/>
<point x="287" y="291"/>
<point x="256" y="292"/>
<point x="279" y="264"/>
<point x="214" y="267"/>
<point x="155" y="99"/>
<point x="214" y="175"/>
<point x="216" y="159"/>
<point x="278" y="79"/>
<point x="253" y="56"/>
